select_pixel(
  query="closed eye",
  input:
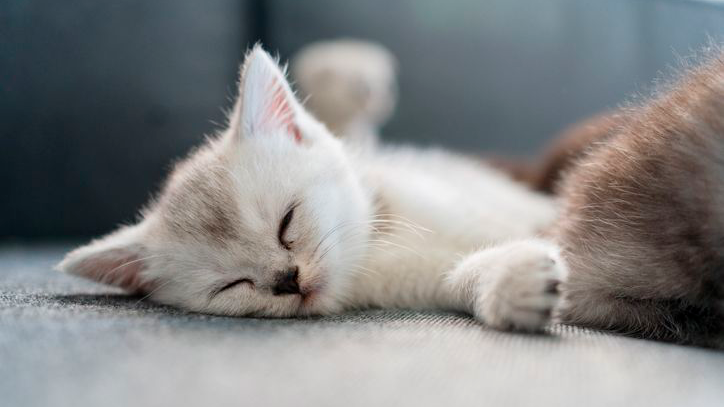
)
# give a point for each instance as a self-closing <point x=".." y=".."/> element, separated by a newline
<point x="283" y="226"/>
<point x="233" y="284"/>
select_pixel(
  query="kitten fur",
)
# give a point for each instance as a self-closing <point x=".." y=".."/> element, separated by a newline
<point x="642" y="224"/>
<point x="350" y="85"/>
<point x="638" y="243"/>
<point x="276" y="217"/>
<point x="545" y="173"/>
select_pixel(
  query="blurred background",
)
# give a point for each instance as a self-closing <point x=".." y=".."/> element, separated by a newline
<point x="97" y="98"/>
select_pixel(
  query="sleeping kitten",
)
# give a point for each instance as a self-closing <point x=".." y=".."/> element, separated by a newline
<point x="276" y="217"/>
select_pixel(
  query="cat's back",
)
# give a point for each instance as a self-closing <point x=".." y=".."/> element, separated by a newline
<point x="455" y="195"/>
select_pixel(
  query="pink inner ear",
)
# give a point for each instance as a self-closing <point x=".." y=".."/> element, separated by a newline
<point x="122" y="270"/>
<point x="280" y="111"/>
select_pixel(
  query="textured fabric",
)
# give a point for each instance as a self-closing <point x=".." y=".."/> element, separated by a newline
<point x="68" y="342"/>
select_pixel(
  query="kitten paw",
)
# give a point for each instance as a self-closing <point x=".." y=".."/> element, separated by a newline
<point x="525" y="288"/>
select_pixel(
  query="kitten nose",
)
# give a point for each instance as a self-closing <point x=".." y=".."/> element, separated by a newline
<point x="287" y="282"/>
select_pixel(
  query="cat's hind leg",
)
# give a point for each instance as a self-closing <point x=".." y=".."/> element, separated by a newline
<point x="514" y="285"/>
<point x="673" y="320"/>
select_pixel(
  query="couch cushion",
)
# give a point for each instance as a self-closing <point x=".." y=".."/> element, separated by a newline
<point x="65" y="341"/>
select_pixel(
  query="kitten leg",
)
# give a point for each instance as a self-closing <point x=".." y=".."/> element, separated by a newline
<point x="669" y="320"/>
<point x="511" y="286"/>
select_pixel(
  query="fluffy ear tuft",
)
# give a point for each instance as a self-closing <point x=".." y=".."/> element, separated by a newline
<point x="116" y="259"/>
<point x="268" y="104"/>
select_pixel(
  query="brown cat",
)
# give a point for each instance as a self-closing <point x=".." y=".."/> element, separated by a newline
<point x="544" y="173"/>
<point x="642" y="226"/>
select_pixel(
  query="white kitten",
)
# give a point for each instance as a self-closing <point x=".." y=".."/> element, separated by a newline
<point x="275" y="217"/>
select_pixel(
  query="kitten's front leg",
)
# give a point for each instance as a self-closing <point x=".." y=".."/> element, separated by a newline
<point x="511" y="286"/>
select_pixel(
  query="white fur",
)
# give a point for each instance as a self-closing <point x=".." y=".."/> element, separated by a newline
<point x="398" y="228"/>
<point x="511" y="285"/>
<point x="350" y="85"/>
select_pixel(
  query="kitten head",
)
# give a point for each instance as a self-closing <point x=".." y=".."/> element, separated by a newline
<point x="267" y="219"/>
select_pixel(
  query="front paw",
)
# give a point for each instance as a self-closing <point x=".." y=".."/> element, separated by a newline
<point x="524" y="290"/>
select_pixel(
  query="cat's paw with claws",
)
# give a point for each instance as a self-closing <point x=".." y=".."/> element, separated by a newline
<point x="519" y="285"/>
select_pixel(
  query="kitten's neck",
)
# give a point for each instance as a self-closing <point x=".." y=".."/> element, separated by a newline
<point x="404" y="266"/>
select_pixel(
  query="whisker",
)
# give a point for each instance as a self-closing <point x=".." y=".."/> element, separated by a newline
<point x="410" y="226"/>
<point x="108" y="276"/>
<point x="398" y="246"/>
<point x="154" y="291"/>
<point x="370" y="271"/>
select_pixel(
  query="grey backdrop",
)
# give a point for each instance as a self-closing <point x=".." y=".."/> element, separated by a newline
<point x="99" y="97"/>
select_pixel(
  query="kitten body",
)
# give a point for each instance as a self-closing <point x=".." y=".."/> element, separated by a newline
<point x="276" y="217"/>
<point x="642" y="225"/>
<point x="418" y="188"/>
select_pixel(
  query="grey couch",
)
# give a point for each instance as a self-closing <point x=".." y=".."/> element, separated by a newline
<point x="96" y="99"/>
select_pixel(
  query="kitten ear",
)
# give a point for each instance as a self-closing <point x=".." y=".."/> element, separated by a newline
<point x="268" y="105"/>
<point x="116" y="259"/>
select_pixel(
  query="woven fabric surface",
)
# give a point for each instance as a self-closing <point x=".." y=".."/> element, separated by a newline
<point x="68" y="342"/>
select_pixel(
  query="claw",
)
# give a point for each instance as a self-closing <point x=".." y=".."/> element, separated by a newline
<point x="552" y="287"/>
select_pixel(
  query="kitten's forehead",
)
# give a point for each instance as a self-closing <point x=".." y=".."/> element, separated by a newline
<point x="223" y="196"/>
<point x="199" y="201"/>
